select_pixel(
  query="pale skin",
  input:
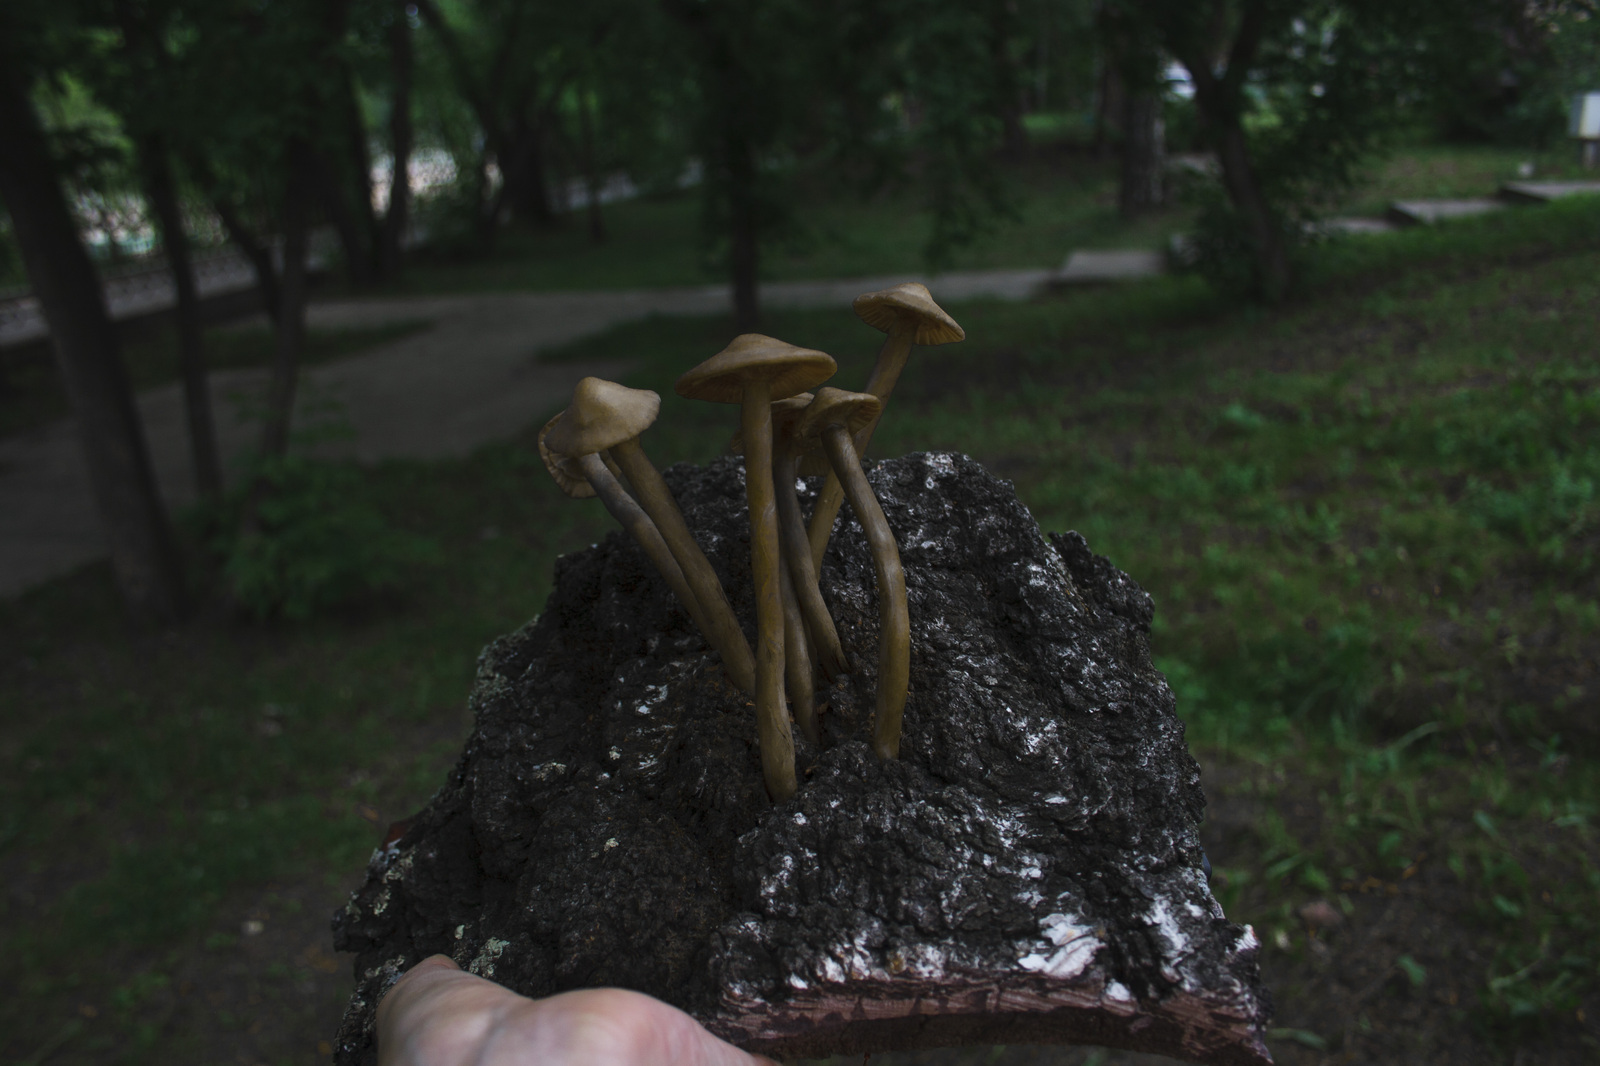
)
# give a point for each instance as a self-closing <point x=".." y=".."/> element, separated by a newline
<point x="439" y="1015"/>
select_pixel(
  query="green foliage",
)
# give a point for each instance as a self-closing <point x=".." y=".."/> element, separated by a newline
<point x="318" y="541"/>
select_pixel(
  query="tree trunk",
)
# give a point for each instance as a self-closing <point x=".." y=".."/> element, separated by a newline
<point x="254" y="249"/>
<point x="359" y="181"/>
<point x="745" y="241"/>
<point x="1244" y="190"/>
<point x="1108" y="106"/>
<point x="346" y="223"/>
<point x="1143" y="153"/>
<point x="191" y="346"/>
<point x="526" y="190"/>
<point x="143" y="556"/>
<point x="591" y="169"/>
<point x="292" y="320"/>
<point x="400" y="137"/>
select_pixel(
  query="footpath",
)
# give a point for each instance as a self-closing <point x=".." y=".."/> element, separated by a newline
<point x="474" y="377"/>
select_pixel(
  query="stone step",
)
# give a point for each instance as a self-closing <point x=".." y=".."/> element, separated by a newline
<point x="1544" y="192"/>
<point x="1428" y="212"/>
<point x="1094" y="267"/>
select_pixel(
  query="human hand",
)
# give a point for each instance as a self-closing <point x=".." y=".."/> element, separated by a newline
<point x="439" y="1015"/>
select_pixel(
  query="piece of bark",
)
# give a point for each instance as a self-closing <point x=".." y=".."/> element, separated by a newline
<point x="1028" y="871"/>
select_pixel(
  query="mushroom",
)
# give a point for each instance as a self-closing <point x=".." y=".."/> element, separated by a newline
<point x="909" y="316"/>
<point x="827" y="651"/>
<point x="797" y="661"/>
<point x="587" y="476"/>
<point x="835" y="416"/>
<point x="607" y="416"/>
<point x="752" y="371"/>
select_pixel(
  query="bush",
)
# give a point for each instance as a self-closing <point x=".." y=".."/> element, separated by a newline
<point x="317" y="541"/>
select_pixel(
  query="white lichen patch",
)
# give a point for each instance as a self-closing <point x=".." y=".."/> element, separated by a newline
<point x="1075" y="947"/>
<point x="483" y="965"/>
<point x="546" y="771"/>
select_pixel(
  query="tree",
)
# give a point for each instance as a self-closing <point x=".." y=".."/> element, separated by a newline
<point x="137" y="76"/>
<point x="1293" y="94"/>
<point x="143" y="556"/>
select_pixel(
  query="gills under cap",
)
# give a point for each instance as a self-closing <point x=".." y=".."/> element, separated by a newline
<point x="603" y="414"/>
<point x="906" y="304"/>
<point x="852" y="410"/>
<point x="754" y="357"/>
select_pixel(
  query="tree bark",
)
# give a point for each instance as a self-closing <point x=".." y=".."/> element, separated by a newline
<point x="744" y="253"/>
<point x="292" y="320"/>
<point x="191" y="345"/>
<point x="359" y="181"/>
<point x="255" y="250"/>
<point x="331" y="190"/>
<point x="1244" y="190"/>
<point x="591" y="169"/>
<point x="143" y="556"/>
<point x="1143" y="153"/>
<point x="395" y="219"/>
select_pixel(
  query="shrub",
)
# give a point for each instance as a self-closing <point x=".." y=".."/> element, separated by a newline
<point x="317" y="541"/>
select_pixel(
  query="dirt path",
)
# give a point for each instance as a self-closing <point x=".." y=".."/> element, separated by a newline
<point x="475" y="377"/>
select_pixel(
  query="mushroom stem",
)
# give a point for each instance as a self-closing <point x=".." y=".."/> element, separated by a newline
<point x="772" y="722"/>
<point x="885" y="373"/>
<point x="825" y="644"/>
<point x="894" y="623"/>
<point x="797" y="661"/>
<point x="633" y="519"/>
<point x="722" y="627"/>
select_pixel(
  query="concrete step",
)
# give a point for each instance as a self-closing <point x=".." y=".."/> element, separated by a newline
<point x="1088" y="268"/>
<point x="1429" y="212"/>
<point x="1544" y="192"/>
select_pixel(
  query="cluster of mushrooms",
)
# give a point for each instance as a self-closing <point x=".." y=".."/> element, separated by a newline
<point x="785" y="432"/>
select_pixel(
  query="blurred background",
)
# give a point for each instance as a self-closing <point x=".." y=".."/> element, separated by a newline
<point x="1292" y="307"/>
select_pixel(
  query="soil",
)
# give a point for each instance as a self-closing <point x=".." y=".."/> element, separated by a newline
<point x="1028" y="871"/>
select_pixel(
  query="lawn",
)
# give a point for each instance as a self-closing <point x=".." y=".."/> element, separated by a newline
<point x="1369" y="521"/>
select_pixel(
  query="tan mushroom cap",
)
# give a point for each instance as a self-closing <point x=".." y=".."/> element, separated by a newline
<point x="909" y="302"/>
<point x="785" y="414"/>
<point x="564" y="469"/>
<point x="752" y="357"/>
<point x="603" y="414"/>
<point x="853" y="410"/>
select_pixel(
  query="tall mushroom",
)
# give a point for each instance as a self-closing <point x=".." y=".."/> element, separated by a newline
<point x="752" y="371"/>
<point x="909" y="316"/>
<point x="835" y="416"/>
<point x="826" y="649"/>
<point x="607" y="416"/>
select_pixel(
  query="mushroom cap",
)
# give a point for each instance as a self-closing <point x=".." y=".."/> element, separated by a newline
<point x="852" y="410"/>
<point x="565" y="468"/>
<point x="909" y="303"/>
<point x="752" y="357"/>
<point x="785" y="415"/>
<point x="602" y="414"/>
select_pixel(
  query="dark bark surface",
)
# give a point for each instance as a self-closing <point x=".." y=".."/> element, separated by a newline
<point x="1028" y="871"/>
<point x="395" y="219"/>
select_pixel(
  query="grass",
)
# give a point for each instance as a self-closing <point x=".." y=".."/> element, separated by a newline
<point x="1368" y="520"/>
<point x="1453" y="171"/>
<point x="30" y="387"/>
<point x="1064" y="200"/>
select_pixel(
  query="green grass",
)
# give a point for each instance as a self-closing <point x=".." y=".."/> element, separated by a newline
<point x="30" y="388"/>
<point x="1449" y="171"/>
<point x="1368" y="520"/>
